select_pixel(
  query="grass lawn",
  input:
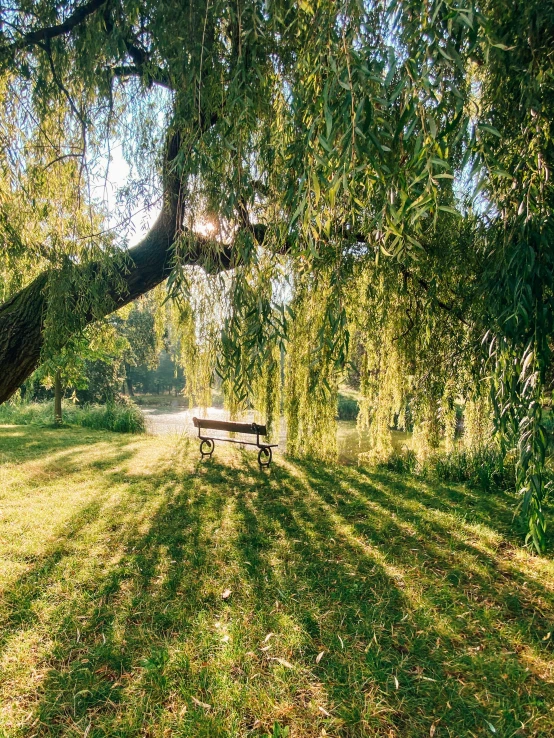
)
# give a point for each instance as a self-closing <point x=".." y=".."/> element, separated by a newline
<point x="361" y="604"/>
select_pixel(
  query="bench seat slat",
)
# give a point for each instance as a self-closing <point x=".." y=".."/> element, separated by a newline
<point x="230" y="426"/>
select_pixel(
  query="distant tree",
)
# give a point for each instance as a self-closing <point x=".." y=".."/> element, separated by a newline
<point x="143" y="337"/>
<point x="90" y="361"/>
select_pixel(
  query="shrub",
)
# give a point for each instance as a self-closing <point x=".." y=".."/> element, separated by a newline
<point x="401" y="462"/>
<point x="27" y="413"/>
<point x="348" y="408"/>
<point x="120" y="418"/>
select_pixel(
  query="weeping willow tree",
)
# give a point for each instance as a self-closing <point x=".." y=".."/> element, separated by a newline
<point x="377" y="178"/>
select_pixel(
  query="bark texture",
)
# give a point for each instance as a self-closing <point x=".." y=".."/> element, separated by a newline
<point x="21" y="335"/>
<point x="58" y="418"/>
<point x="143" y="267"/>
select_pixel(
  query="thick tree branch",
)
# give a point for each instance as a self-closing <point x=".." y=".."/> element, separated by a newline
<point x="41" y="35"/>
<point x="146" y="265"/>
<point x="142" y="66"/>
<point x="152" y="74"/>
<point x="427" y="287"/>
<point x="140" y="269"/>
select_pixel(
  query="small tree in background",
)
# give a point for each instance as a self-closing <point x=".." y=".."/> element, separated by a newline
<point x="71" y="368"/>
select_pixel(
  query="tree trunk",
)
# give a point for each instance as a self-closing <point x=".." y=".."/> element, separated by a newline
<point x="140" y="269"/>
<point x="22" y="316"/>
<point x="58" y="419"/>
<point x="21" y="336"/>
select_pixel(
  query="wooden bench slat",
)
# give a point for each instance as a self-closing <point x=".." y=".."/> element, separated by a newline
<point x="230" y="426"/>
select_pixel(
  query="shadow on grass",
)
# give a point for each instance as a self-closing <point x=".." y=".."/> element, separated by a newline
<point x="23" y="443"/>
<point x="424" y="610"/>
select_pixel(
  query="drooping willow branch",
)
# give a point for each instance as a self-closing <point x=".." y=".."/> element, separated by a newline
<point x="139" y="270"/>
<point x="142" y="64"/>
<point x="41" y="35"/>
<point x="136" y="272"/>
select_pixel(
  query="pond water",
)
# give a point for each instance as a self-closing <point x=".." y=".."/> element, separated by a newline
<point x="173" y="418"/>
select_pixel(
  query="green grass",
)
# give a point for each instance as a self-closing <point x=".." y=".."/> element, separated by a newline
<point x="117" y="417"/>
<point x="115" y="552"/>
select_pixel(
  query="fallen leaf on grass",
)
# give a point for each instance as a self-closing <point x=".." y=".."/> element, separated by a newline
<point x="282" y="662"/>
<point x="324" y="711"/>
<point x="319" y="657"/>
<point x="268" y="636"/>
<point x="201" y="704"/>
<point x="432" y="730"/>
<point x="226" y="594"/>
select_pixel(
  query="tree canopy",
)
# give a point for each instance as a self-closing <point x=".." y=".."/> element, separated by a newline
<point x="377" y="181"/>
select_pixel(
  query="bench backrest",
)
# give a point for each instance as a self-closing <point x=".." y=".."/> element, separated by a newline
<point x="230" y="426"/>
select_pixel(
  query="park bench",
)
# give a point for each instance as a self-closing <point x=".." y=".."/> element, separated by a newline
<point x="207" y="443"/>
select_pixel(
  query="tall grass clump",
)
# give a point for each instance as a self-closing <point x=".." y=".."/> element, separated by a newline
<point x="484" y="468"/>
<point x="401" y="461"/>
<point x="125" y="418"/>
<point x="117" y="417"/>
<point x="27" y="413"/>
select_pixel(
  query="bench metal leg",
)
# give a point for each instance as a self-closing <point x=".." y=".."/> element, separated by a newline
<point x="206" y="447"/>
<point x="264" y="456"/>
